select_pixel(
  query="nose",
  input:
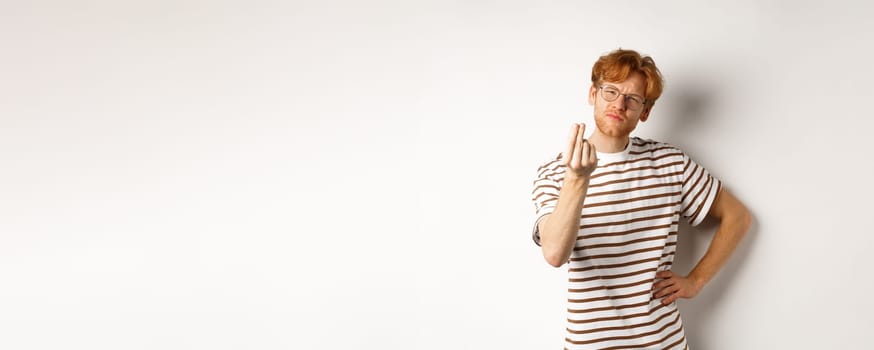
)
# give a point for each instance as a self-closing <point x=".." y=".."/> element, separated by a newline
<point x="620" y="102"/>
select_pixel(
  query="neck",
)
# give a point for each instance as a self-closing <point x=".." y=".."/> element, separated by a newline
<point x="608" y="144"/>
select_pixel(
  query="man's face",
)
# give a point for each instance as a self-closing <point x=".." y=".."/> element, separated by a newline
<point x="615" y="118"/>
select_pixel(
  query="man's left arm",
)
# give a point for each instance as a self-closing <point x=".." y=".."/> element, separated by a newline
<point x="734" y="221"/>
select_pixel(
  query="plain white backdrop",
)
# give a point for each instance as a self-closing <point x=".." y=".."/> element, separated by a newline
<point x="357" y="175"/>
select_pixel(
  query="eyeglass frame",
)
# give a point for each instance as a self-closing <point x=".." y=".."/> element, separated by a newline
<point x="625" y="96"/>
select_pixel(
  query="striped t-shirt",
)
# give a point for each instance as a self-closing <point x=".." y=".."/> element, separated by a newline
<point x="628" y="232"/>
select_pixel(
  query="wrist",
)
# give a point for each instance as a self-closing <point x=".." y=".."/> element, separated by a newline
<point x="575" y="181"/>
<point x="697" y="281"/>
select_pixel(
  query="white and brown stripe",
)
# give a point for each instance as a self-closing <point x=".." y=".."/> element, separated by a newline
<point x="628" y="232"/>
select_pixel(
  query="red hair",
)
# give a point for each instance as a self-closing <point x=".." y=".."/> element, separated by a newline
<point x="616" y="66"/>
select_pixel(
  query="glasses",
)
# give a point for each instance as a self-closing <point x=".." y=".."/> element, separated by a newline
<point x="632" y="102"/>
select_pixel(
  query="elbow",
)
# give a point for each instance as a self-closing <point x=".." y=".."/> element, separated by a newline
<point x="556" y="263"/>
<point x="746" y="219"/>
<point x="554" y="258"/>
<point x="743" y="220"/>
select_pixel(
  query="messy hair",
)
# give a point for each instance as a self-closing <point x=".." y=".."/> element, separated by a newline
<point x="616" y="66"/>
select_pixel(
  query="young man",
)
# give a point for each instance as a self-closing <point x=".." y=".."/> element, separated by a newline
<point x="610" y="205"/>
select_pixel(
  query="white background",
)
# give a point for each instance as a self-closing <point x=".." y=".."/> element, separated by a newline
<point x="357" y="175"/>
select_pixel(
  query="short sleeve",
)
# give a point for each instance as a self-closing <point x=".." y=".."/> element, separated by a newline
<point x="699" y="191"/>
<point x="547" y="185"/>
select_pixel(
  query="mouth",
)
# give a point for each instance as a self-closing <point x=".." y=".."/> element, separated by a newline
<point x="614" y="116"/>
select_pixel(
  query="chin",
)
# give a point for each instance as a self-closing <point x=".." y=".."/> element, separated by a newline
<point x="613" y="130"/>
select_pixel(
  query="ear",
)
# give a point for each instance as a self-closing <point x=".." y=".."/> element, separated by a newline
<point x="645" y="114"/>
<point x="592" y="94"/>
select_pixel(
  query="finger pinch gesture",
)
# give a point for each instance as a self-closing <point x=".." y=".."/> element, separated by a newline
<point x="580" y="157"/>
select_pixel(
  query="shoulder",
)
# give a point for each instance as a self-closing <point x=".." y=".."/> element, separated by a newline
<point x="551" y="167"/>
<point x="551" y="163"/>
<point x="649" y="147"/>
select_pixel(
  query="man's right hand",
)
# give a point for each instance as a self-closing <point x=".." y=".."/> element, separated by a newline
<point x="580" y="157"/>
<point x="558" y="230"/>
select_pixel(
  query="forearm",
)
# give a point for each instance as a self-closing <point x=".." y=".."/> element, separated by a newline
<point x="558" y="231"/>
<point x="730" y="232"/>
